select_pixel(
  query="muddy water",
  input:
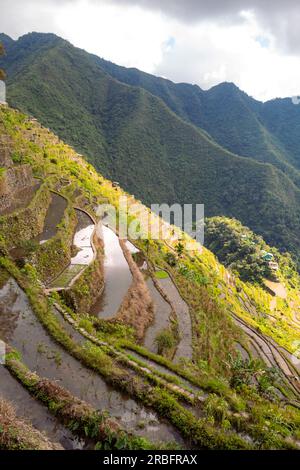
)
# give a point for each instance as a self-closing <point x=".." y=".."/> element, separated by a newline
<point x="184" y="348"/>
<point x="117" y="276"/>
<point x="20" y="328"/>
<point x="21" y="199"/>
<point x="162" y="311"/>
<point x="30" y="409"/>
<point x="243" y="352"/>
<point x="53" y="217"/>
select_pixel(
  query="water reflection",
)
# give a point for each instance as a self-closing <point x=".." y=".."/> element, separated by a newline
<point x="117" y="276"/>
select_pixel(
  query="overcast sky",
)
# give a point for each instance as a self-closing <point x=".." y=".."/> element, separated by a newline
<point x="254" y="43"/>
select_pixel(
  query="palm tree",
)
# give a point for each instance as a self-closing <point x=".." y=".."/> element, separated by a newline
<point x="179" y="249"/>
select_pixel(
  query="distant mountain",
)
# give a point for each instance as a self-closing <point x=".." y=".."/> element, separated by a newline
<point x="166" y="142"/>
<point x="235" y="120"/>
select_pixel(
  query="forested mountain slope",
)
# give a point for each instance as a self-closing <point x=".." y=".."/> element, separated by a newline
<point x="266" y="132"/>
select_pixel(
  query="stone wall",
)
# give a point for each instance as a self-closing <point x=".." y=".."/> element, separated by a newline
<point x="19" y="177"/>
<point x="5" y="153"/>
<point x="26" y="223"/>
<point x="12" y="180"/>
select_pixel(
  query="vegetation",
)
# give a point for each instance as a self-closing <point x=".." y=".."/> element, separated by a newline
<point x="234" y="407"/>
<point x="17" y="434"/>
<point x="266" y="132"/>
<point x="132" y="136"/>
<point x="75" y="414"/>
<point x="239" y="249"/>
<point x="161" y="275"/>
<point x="164" y="341"/>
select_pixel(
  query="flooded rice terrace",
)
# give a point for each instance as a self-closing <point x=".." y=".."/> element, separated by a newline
<point x="33" y="411"/>
<point x="53" y="217"/>
<point x="20" y="328"/>
<point x="117" y="276"/>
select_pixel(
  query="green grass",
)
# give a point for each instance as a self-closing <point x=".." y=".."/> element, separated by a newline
<point x="66" y="277"/>
<point x="161" y="274"/>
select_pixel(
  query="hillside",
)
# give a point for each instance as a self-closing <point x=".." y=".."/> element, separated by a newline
<point x="266" y="132"/>
<point x="191" y="387"/>
<point x="246" y="253"/>
<point x="135" y="137"/>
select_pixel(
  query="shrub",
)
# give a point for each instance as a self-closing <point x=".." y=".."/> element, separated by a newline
<point x="164" y="340"/>
<point x="171" y="259"/>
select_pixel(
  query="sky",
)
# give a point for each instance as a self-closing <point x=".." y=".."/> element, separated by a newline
<point x="253" y="43"/>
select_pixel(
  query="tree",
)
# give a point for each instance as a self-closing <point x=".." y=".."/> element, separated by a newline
<point x="179" y="249"/>
<point x="2" y="52"/>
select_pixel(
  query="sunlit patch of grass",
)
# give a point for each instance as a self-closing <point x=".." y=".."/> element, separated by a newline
<point x="161" y="275"/>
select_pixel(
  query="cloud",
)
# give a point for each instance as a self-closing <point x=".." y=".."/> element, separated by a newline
<point x="244" y="54"/>
<point x="253" y="43"/>
<point x="280" y="18"/>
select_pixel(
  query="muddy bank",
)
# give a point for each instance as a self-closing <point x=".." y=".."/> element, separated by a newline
<point x="26" y="223"/>
<point x="17" y="434"/>
<point x="20" y="328"/>
<point x="15" y="181"/>
<point x="137" y="309"/>
<point x="28" y="408"/>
